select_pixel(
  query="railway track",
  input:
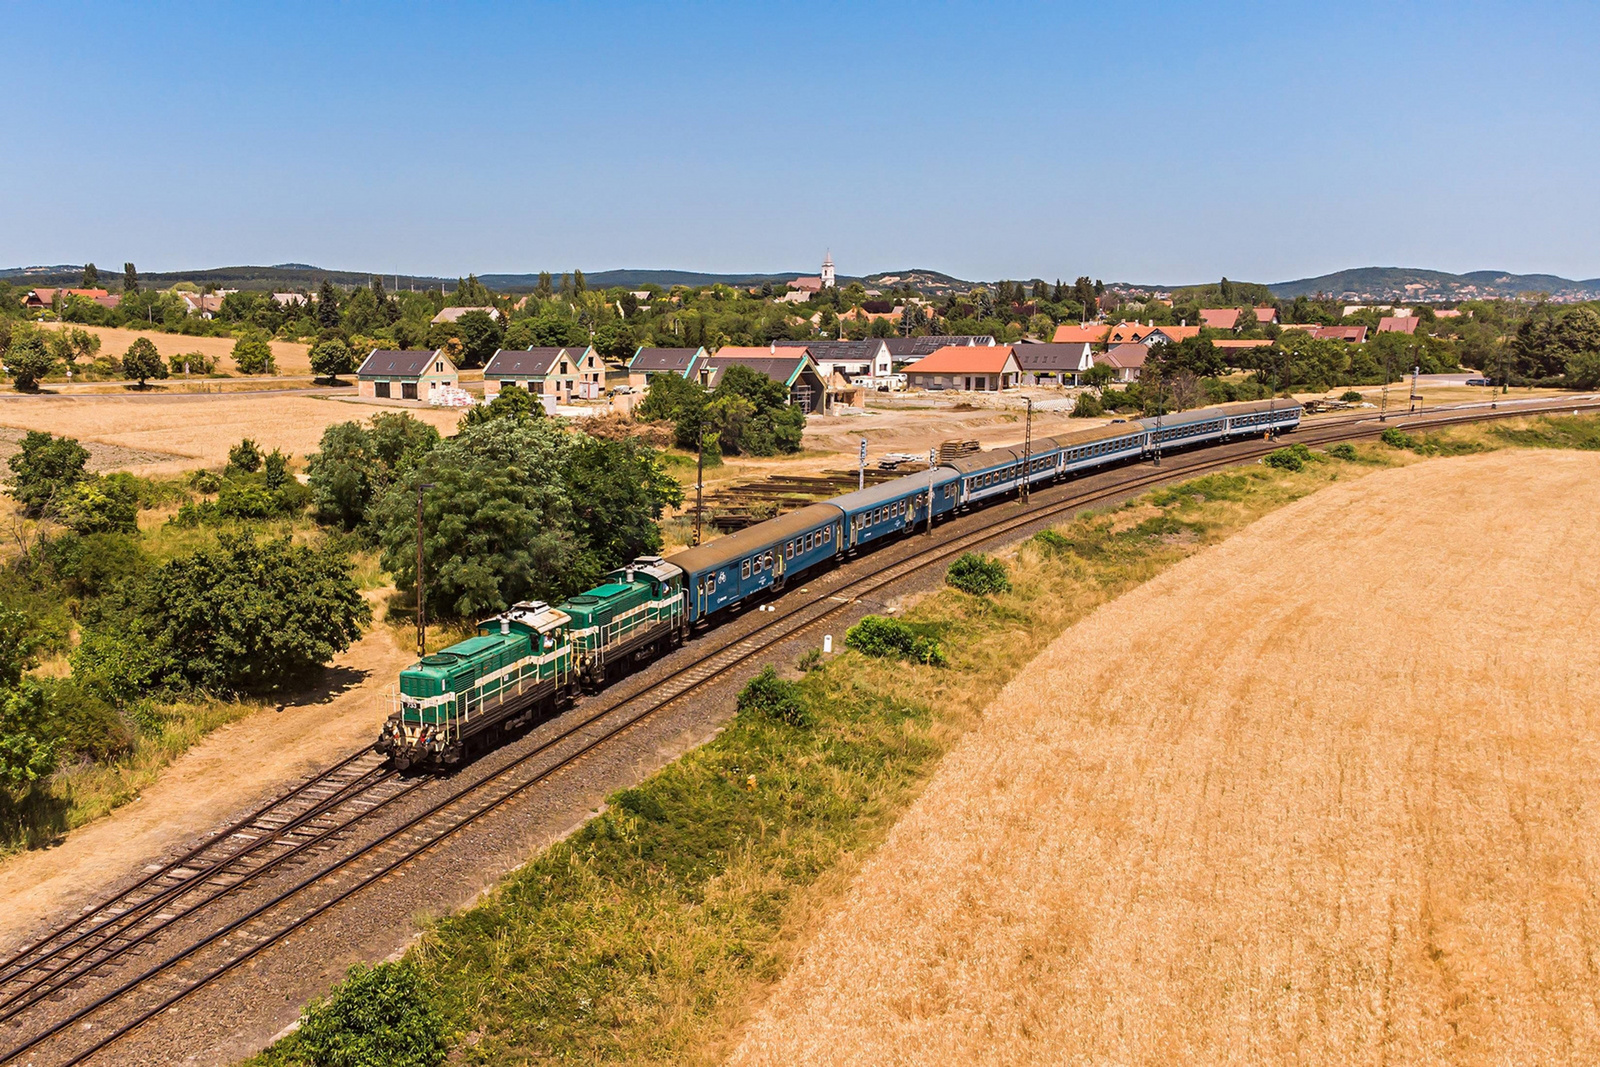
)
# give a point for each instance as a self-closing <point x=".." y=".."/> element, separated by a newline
<point x="162" y="917"/>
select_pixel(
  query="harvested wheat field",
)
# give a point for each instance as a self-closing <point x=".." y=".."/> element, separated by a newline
<point x="291" y="357"/>
<point x="1325" y="793"/>
<point x="167" y="434"/>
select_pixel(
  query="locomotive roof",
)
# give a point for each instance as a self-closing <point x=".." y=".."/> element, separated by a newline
<point x="753" y="539"/>
<point x="536" y="615"/>
<point x="654" y="566"/>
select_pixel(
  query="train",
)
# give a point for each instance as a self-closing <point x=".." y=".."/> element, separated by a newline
<point x="534" y="659"/>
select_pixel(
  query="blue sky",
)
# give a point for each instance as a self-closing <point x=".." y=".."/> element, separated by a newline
<point x="1157" y="142"/>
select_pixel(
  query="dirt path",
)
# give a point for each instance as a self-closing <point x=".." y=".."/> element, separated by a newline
<point x="235" y="767"/>
<point x="1322" y="794"/>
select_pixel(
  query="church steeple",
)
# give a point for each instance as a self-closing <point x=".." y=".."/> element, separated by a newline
<point x="828" y="281"/>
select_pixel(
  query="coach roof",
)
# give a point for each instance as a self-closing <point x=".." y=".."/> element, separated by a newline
<point x="753" y="539"/>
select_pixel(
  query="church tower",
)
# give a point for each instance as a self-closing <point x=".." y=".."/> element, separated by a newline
<point x="827" y="271"/>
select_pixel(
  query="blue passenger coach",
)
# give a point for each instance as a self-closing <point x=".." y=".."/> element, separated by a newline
<point x="716" y="576"/>
<point x="1187" y="428"/>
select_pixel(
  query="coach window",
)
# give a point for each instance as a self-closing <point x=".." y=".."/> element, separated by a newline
<point x="744" y="571"/>
<point x="827" y="534"/>
<point x="788" y="550"/>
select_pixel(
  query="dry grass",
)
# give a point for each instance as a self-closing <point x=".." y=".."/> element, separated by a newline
<point x="1242" y="815"/>
<point x="291" y="356"/>
<point x="189" y="431"/>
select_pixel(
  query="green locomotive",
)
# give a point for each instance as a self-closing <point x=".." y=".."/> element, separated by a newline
<point x="530" y="661"/>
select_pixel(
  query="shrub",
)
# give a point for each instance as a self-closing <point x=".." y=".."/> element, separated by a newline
<point x="45" y="470"/>
<point x="1345" y="451"/>
<point x="1396" y="438"/>
<point x="380" y="1016"/>
<point x="204" y="481"/>
<point x="1293" y="458"/>
<point x="1087" y="407"/>
<point x="885" y="638"/>
<point x="27" y="361"/>
<point x="102" y="505"/>
<point x="252" y="354"/>
<point x="97" y="563"/>
<point x="81" y="724"/>
<point x="978" y="574"/>
<point x="1351" y="397"/>
<point x="196" y="362"/>
<point x="245" y="457"/>
<point x="246" y="500"/>
<point x="776" y="698"/>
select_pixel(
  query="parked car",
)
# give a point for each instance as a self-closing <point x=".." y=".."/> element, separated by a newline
<point x="1479" y="381"/>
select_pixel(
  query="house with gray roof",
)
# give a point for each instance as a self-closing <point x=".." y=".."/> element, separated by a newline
<point x="405" y="374"/>
<point x="793" y="368"/>
<point x="557" y="374"/>
<point x="649" y="362"/>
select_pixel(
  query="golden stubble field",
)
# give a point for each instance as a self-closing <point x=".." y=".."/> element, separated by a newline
<point x="172" y="433"/>
<point x="1325" y="793"/>
<point x="292" y="357"/>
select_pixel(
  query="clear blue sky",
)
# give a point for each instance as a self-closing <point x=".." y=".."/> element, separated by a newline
<point x="1155" y="142"/>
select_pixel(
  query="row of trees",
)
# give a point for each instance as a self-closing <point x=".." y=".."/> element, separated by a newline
<point x="31" y="355"/>
<point x="746" y="414"/>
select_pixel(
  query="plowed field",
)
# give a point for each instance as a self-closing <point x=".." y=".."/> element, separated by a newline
<point x="1326" y="793"/>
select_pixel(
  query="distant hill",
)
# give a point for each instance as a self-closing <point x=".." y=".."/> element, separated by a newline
<point x="1365" y="284"/>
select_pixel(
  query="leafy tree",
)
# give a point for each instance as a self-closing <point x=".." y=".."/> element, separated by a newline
<point x="355" y="463"/>
<point x="544" y="291"/>
<point x="69" y="346"/>
<point x="512" y="401"/>
<point x="19" y="641"/>
<point x="28" y="360"/>
<point x="332" y="358"/>
<point x="480" y="336"/>
<point x="44" y="470"/>
<point x="497" y="523"/>
<point x="241" y="615"/>
<point x="618" y="490"/>
<point x="377" y="1017"/>
<point x="245" y="457"/>
<point x="275" y="470"/>
<point x="130" y="280"/>
<point x="252" y="354"/>
<point x="578" y="283"/>
<point x="27" y="754"/>
<point x="771" y="425"/>
<point x="102" y="505"/>
<point x="91" y="276"/>
<point x="678" y="400"/>
<point x="142" y="362"/>
<point x="1583" y="370"/>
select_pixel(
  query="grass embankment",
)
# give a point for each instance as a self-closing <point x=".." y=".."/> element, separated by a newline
<point x="648" y="935"/>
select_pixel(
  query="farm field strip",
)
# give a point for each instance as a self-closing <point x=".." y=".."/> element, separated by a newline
<point x="717" y="662"/>
<point x="1236" y="816"/>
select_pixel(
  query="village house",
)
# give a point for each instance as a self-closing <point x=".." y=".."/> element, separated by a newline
<point x="408" y="374"/>
<point x="1267" y="316"/>
<point x="556" y="375"/>
<point x="906" y="349"/>
<point x="1054" y="364"/>
<point x="38" y="299"/>
<point x="1093" y="333"/>
<point x="1356" y="335"/>
<point x="649" y="362"/>
<point x="1127" y="360"/>
<point x="1398" y="324"/>
<point x="852" y="359"/>
<point x="792" y="368"/>
<point x="984" y="368"/>
<point x="451" y="314"/>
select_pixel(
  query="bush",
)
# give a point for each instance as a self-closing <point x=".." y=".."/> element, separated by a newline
<point x="81" y="724"/>
<point x="45" y="470"/>
<point x="1351" y="397"/>
<point x="1344" y="451"/>
<point x="102" y="505"/>
<point x="204" y="481"/>
<point x="197" y="362"/>
<point x="252" y="354"/>
<point x="776" y="698"/>
<point x="885" y="638"/>
<point x="978" y="574"/>
<point x="1087" y="407"/>
<point x="380" y="1016"/>
<point x="1396" y="438"/>
<point x="95" y="564"/>
<point x="1293" y="458"/>
<point x="245" y="457"/>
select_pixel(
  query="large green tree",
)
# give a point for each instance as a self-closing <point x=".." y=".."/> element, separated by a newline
<point x="44" y="470"/>
<point x="332" y="358"/>
<point x="142" y="362"/>
<point x="357" y="462"/>
<point x="28" y="361"/>
<point x="241" y="615"/>
<point x="480" y="336"/>
<point x="252" y="354"/>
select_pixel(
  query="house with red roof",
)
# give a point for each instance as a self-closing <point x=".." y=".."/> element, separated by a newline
<point x="1356" y="335"/>
<point x="1219" y="318"/>
<point x="1398" y="324"/>
<point x="43" y="298"/>
<point x="1267" y="316"/>
<point x="1093" y="333"/>
<point x="984" y="368"/>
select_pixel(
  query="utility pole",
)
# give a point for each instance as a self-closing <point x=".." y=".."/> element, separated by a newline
<point x="933" y="458"/>
<point x="1415" y="396"/>
<point x="1158" y="420"/>
<point x="700" y="461"/>
<point x="1027" y="452"/>
<point x="1383" y="412"/>
<point x="422" y="610"/>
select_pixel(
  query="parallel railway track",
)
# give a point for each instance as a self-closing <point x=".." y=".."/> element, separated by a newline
<point x="171" y="904"/>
